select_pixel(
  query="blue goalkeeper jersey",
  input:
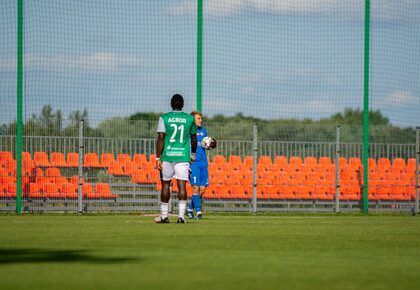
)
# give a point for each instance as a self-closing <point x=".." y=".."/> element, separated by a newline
<point x="201" y="152"/>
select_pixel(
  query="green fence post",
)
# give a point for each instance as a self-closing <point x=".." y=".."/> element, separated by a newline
<point x="199" y="51"/>
<point x="366" y="110"/>
<point x="19" y="122"/>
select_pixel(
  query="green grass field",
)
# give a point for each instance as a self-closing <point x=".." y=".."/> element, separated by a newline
<point x="220" y="252"/>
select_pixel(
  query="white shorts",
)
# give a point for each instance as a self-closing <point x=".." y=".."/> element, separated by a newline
<point x="179" y="170"/>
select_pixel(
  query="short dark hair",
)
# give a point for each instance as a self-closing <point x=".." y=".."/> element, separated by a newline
<point x="177" y="102"/>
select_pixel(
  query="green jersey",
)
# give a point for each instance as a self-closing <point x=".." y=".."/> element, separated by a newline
<point x="178" y="127"/>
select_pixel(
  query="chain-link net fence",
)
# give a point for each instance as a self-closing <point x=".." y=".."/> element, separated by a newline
<point x="293" y="68"/>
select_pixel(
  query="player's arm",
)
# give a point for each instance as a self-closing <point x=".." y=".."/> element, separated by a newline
<point x="160" y="143"/>
<point x="193" y="146"/>
<point x="159" y="149"/>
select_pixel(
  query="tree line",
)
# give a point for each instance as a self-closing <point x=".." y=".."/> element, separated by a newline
<point x="50" y="122"/>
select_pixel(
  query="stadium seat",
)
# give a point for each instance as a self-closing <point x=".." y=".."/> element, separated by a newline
<point x="123" y="158"/>
<point x="60" y="180"/>
<point x="115" y="168"/>
<point x="311" y="161"/>
<point x="325" y="161"/>
<point x="235" y="162"/>
<point x="41" y="159"/>
<point x="295" y="161"/>
<point x="126" y="162"/>
<point x="220" y="160"/>
<point x="91" y="160"/>
<point x="129" y="167"/>
<point x="384" y="162"/>
<point x="355" y="162"/>
<point x="75" y="180"/>
<point x="411" y="165"/>
<point x="107" y="159"/>
<point x="398" y="162"/>
<point x="5" y="157"/>
<point x="10" y="191"/>
<point x="140" y="159"/>
<point x="68" y="190"/>
<point x="139" y="176"/>
<point x="11" y="167"/>
<point x="265" y="160"/>
<point x="348" y="172"/>
<point x="103" y="190"/>
<point x="57" y="159"/>
<point x="281" y="160"/>
<point x="50" y="190"/>
<point x="33" y="190"/>
<point x="248" y="161"/>
<point x="72" y="159"/>
<point x="87" y="190"/>
<point x="371" y="164"/>
<point x="52" y="172"/>
<point x="26" y="156"/>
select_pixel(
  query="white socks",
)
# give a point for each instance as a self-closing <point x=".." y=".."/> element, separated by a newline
<point x="182" y="204"/>
<point x="163" y="210"/>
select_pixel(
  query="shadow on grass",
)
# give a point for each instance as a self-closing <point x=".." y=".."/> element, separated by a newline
<point x="12" y="256"/>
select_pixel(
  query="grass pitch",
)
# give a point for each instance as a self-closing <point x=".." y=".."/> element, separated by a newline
<point x="219" y="252"/>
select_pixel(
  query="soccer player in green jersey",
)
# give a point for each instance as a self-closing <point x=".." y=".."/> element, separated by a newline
<point x="175" y="149"/>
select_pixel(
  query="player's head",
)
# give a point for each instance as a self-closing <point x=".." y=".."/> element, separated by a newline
<point x="198" y="118"/>
<point x="177" y="102"/>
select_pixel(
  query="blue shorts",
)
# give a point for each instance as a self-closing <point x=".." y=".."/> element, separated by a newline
<point x="199" y="174"/>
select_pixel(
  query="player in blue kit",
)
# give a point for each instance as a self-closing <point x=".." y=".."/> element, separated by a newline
<point x="199" y="173"/>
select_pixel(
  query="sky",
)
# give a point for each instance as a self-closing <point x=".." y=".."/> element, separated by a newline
<point x="264" y="58"/>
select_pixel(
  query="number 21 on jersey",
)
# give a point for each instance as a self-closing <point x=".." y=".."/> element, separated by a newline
<point x="177" y="129"/>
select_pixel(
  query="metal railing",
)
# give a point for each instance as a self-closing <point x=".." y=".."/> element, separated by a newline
<point x="146" y="146"/>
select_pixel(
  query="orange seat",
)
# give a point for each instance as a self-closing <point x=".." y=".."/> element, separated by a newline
<point x="33" y="190"/>
<point x="41" y="159"/>
<point x="220" y="160"/>
<point x="69" y="190"/>
<point x="265" y="160"/>
<point x="75" y="180"/>
<point x="384" y="162"/>
<point x="235" y="162"/>
<point x="371" y="164"/>
<point x="26" y="156"/>
<point x="87" y="190"/>
<point x="107" y="159"/>
<point x="295" y="161"/>
<point x="139" y="176"/>
<point x="123" y="158"/>
<point x="103" y="190"/>
<point x="5" y="157"/>
<point x="115" y="168"/>
<point x="355" y="162"/>
<point x="140" y="159"/>
<point x="281" y="160"/>
<point x="72" y="159"/>
<point x="411" y="165"/>
<point x="57" y="159"/>
<point x="91" y="160"/>
<point x="398" y="162"/>
<point x="310" y="161"/>
<point x="11" y="167"/>
<point x="60" y="180"/>
<point x="50" y="190"/>
<point x="325" y="161"/>
<point x="52" y="172"/>
<point x="10" y="190"/>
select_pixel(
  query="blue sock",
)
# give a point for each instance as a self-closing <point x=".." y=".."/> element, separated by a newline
<point x="191" y="206"/>
<point x="197" y="202"/>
